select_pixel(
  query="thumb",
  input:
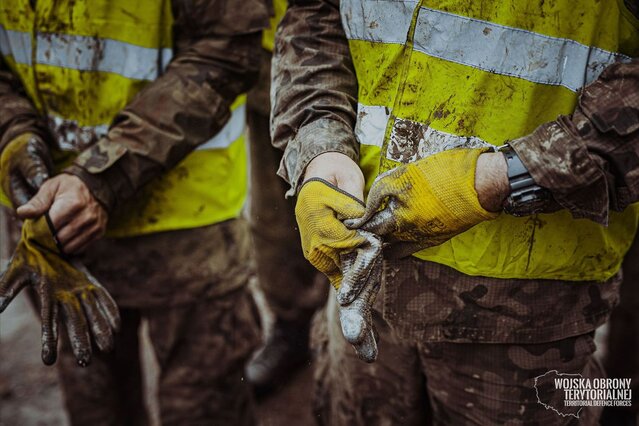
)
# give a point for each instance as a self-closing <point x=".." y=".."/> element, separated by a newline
<point x="376" y="197"/>
<point x="40" y="203"/>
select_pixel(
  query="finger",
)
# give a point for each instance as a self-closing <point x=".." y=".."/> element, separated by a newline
<point x="383" y="222"/>
<point x="105" y="301"/>
<point x="100" y="328"/>
<point x="80" y="224"/>
<point x="109" y="308"/>
<point x="376" y="198"/>
<point x="367" y="350"/>
<point x="78" y="330"/>
<point x="74" y="240"/>
<point x="40" y="203"/>
<point x="66" y="209"/>
<point x="12" y="282"/>
<point x="49" y="317"/>
<point x="357" y="323"/>
<point x="358" y="270"/>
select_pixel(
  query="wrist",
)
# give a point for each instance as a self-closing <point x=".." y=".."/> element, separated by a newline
<point x="491" y="181"/>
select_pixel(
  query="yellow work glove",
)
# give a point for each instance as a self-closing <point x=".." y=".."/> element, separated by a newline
<point x="61" y="287"/>
<point x="425" y="203"/>
<point x="25" y="163"/>
<point x="351" y="259"/>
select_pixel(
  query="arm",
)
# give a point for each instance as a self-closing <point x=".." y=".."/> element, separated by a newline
<point x="216" y="58"/>
<point x="17" y="115"/>
<point x="314" y="93"/>
<point x="590" y="160"/>
<point x="25" y="161"/>
<point x="314" y="97"/>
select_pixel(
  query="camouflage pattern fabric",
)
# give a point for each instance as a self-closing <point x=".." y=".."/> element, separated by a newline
<point x="622" y="342"/>
<point x="216" y="49"/>
<point x="441" y="382"/>
<point x="191" y="287"/>
<point x="201" y="349"/>
<point x="348" y="391"/>
<point x="587" y="161"/>
<point x="427" y="301"/>
<point x="490" y="384"/>
<point x="460" y="349"/>
<point x="172" y="268"/>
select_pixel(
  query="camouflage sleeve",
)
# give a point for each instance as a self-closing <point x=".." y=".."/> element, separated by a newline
<point x="590" y="160"/>
<point x="314" y="88"/>
<point x="216" y="58"/>
<point x="17" y="114"/>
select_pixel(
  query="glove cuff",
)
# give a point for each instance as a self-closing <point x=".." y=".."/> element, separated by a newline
<point x="454" y="184"/>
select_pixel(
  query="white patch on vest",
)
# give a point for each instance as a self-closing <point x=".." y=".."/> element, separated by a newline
<point x="385" y="21"/>
<point x="411" y="141"/>
<point x="73" y="137"/>
<point x="371" y="124"/>
<point x="16" y="44"/>
<point x="510" y="51"/>
<point x="101" y="54"/>
<point x="70" y="136"/>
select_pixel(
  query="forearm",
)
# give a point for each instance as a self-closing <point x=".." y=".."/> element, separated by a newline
<point x="215" y="60"/>
<point x="314" y="88"/>
<point x="17" y="115"/>
<point x="590" y="161"/>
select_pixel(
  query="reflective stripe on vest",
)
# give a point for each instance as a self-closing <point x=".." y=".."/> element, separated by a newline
<point x="70" y="134"/>
<point x="82" y="63"/>
<point x="435" y="75"/>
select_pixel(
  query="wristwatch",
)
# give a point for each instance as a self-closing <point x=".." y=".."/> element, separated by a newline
<point x="526" y="197"/>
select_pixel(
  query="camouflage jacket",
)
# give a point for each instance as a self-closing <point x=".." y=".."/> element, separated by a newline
<point x="216" y="58"/>
<point x="589" y="160"/>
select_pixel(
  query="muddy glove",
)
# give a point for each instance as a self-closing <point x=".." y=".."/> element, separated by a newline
<point x="25" y="163"/>
<point x="351" y="259"/>
<point x="425" y="203"/>
<point x="356" y="317"/>
<point x="63" y="288"/>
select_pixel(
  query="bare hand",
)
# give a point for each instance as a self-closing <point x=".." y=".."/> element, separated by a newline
<point x="338" y="169"/>
<point x="78" y="218"/>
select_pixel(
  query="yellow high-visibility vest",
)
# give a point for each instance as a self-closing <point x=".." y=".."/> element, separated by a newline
<point x="81" y="63"/>
<point x="439" y="74"/>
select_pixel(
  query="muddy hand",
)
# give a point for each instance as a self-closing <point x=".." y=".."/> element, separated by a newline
<point x="64" y="289"/>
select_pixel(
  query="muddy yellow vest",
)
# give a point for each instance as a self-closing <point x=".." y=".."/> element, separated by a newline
<point x="268" y="38"/>
<point x="81" y="62"/>
<point x="439" y="74"/>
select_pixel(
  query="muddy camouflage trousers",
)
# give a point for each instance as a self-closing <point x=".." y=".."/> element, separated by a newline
<point x="461" y="350"/>
<point x="621" y="358"/>
<point x="190" y="287"/>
